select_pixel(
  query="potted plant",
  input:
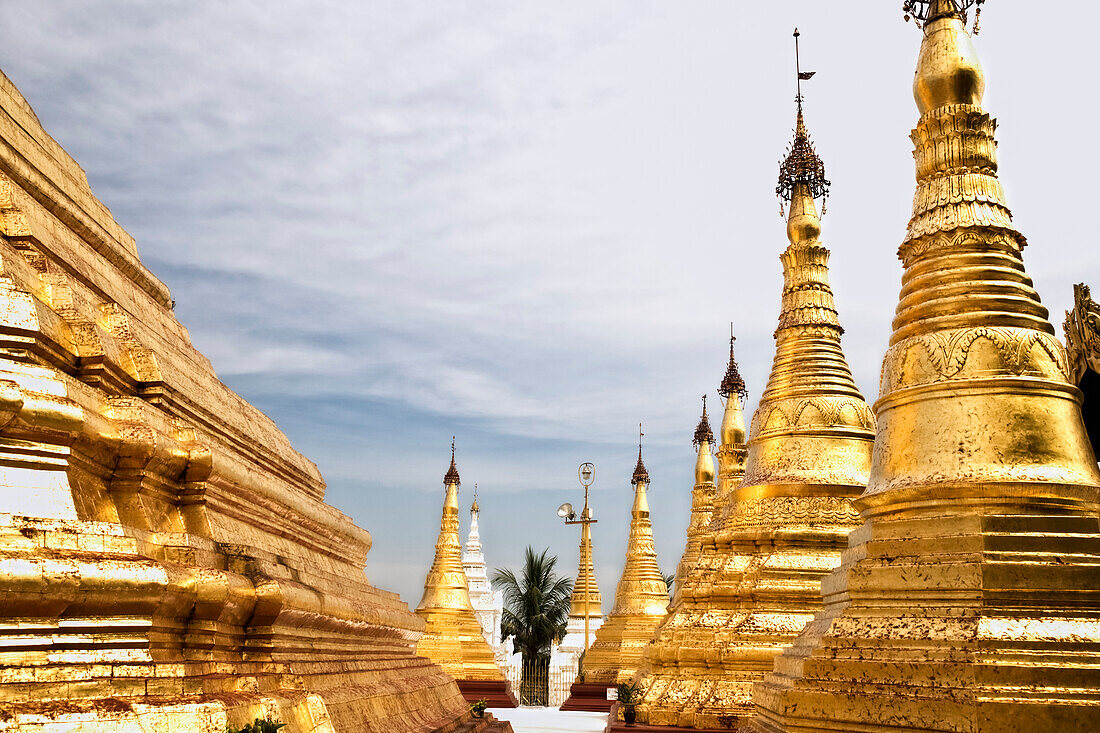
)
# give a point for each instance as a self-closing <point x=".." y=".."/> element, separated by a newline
<point x="478" y="708"/>
<point x="259" y="725"/>
<point x="629" y="695"/>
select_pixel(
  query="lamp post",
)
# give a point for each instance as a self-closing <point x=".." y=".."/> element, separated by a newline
<point x="586" y="473"/>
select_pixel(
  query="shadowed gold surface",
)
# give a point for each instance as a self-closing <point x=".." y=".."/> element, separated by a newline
<point x="756" y="582"/>
<point x="452" y="634"/>
<point x="641" y="599"/>
<point x="968" y="600"/>
<point x="167" y="560"/>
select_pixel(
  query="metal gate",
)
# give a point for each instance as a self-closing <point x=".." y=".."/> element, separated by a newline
<point x="534" y="686"/>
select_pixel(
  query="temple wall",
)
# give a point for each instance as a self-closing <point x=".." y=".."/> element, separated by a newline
<point x="166" y="556"/>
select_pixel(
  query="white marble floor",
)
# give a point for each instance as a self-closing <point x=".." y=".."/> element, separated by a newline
<point x="550" y="720"/>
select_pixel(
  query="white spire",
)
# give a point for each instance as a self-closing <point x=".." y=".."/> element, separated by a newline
<point x="488" y="606"/>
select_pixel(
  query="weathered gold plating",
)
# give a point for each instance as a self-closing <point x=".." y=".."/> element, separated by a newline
<point x="968" y="599"/>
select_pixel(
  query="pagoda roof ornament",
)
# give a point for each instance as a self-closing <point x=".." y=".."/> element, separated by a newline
<point x="474" y="508"/>
<point x="925" y="11"/>
<point x="452" y="473"/>
<point x="802" y="166"/>
<point x="732" y="383"/>
<point x="640" y="472"/>
<point x="703" y="432"/>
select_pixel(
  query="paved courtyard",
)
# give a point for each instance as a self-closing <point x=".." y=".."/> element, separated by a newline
<point x="551" y="720"/>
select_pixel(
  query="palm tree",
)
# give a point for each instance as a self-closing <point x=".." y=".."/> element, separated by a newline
<point x="536" y="609"/>
<point x="670" y="580"/>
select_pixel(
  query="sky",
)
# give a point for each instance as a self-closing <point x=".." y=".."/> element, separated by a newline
<point x="524" y="224"/>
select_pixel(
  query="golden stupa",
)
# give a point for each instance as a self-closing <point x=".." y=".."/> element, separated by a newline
<point x="969" y="600"/>
<point x="585" y="612"/>
<point x="702" y="501"/>
<point x="452" y="636"/>
<point x="782" y="530"/>
<point x="732" y="451"/>
<point x="641" y="599"/>
<point x="585" y="599"/>
<point x="685" y="626"/>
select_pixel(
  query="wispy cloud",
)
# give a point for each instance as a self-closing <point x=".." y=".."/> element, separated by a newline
<point x="525" y="223"/>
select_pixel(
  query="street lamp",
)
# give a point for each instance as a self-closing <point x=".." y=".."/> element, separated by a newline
<point x="586" y="473"/>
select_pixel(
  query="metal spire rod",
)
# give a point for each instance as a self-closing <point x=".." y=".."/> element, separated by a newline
<point x="798" y="73"/>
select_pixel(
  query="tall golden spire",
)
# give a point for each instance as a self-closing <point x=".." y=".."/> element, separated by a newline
<point x="585" y="584"/>
<point x="732" y="433"/>
<point x="783" y="528"/>
<point x="641" y="598"/>
<point x="702" y="498"/>
<point x="452" y="635"/>
<point x="963" y="603"/>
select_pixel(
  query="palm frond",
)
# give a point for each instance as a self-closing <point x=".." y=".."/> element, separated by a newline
<point x="536" y="603"/>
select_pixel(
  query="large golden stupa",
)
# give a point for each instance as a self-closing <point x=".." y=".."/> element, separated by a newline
<point x="453" y="638"/>
<point x="167" y="559"/>
<point x="756" y="583"/>
<point x="641" y="599"/>
<point x="969" y="599"/>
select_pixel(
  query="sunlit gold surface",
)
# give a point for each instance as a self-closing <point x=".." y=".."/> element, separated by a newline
<point x="167" y="561"/>
<point x="641" y="600"/>
<point x="968" y="600"/>
<point x="756" y="583"/>
<point x="452" y="634"/>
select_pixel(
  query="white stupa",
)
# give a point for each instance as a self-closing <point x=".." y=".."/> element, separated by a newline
<point x="488" y="605"/>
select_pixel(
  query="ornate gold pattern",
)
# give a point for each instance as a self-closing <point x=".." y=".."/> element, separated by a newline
<point x="967" y="600"/>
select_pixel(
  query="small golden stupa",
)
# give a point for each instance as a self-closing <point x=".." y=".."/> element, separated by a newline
<point x="585" y="585"/>
<point x="453" y="638"/>
<point x="732" y="435"/>
<point x="641" y="599"/>
<point x="969" y="600"/>
<point x="686" y="626"/>
<point x="782" y="530"/>
<point x="702" y="500"/>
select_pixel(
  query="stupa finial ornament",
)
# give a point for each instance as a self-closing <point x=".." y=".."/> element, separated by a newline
<point x="451" y="477"/>
<point x="703" y="433"/>
<point x="640" y="472"/>
<point x="925" y="11"/>
<point x="802" y="168"/>
<point x="732" y="383"/>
